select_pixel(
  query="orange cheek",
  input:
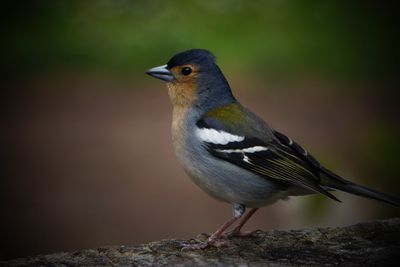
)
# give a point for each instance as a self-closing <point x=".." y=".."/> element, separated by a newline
<point x="182" y="92"/>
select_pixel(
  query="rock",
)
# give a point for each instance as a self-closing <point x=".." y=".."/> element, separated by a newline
<point x="364" y="244"/>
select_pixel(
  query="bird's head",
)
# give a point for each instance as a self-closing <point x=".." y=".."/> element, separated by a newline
<point x="193" y="78"/>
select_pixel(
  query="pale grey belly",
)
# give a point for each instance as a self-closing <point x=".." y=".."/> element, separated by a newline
<point x="230" y="183"/>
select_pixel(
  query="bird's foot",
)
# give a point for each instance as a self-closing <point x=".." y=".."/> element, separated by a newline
<point x="212" y="241"/>
<point x="237" y="233"/>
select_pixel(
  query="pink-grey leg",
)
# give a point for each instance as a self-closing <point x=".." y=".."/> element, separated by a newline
<point x="238" y="211"/>
<point x="237" y="230"/>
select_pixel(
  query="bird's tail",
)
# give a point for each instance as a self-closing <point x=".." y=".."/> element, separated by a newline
<point x="367" y="192"/>
<point x="337" y="182"/>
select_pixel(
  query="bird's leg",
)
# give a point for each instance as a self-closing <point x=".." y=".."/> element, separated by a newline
<point x="236" y="231"/>
<point x="238" y="211"/>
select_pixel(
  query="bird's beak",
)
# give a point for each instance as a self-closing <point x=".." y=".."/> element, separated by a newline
<point x="161" y="72"/>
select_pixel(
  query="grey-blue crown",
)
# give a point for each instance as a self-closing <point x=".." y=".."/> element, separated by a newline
<point x="192" y="56"/>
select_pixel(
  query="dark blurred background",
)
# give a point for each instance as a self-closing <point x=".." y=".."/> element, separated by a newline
<point x="86" y="151"/>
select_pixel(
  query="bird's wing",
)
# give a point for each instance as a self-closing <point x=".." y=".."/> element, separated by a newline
<point x="279" y="158"/>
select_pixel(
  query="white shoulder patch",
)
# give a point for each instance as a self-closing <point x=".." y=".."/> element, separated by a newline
<point x="252" y="149"/>
<point x="217" y="137"/>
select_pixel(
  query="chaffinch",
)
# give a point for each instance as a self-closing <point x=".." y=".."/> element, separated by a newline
<point x="231" y="153"/>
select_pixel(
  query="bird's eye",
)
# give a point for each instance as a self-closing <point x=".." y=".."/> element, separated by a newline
<point x="186" y="71"/>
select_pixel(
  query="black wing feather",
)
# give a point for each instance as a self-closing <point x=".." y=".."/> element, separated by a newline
<point x="284" y="162"/>
<point x="299" y="151"/>
<point x="277" y="163"/>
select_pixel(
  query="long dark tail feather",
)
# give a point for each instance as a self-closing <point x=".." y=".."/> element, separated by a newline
<point x="334" y="181"/>
<point x="366" y="192"/>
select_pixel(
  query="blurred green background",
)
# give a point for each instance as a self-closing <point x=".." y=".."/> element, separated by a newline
<point x="86" y="144"/>
<point x="353" y="38"/>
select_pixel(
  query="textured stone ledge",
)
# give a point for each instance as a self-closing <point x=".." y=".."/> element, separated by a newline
<point x="364" y="244"/>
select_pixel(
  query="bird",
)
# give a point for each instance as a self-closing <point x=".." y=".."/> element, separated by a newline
<point x="231" y="153"/>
